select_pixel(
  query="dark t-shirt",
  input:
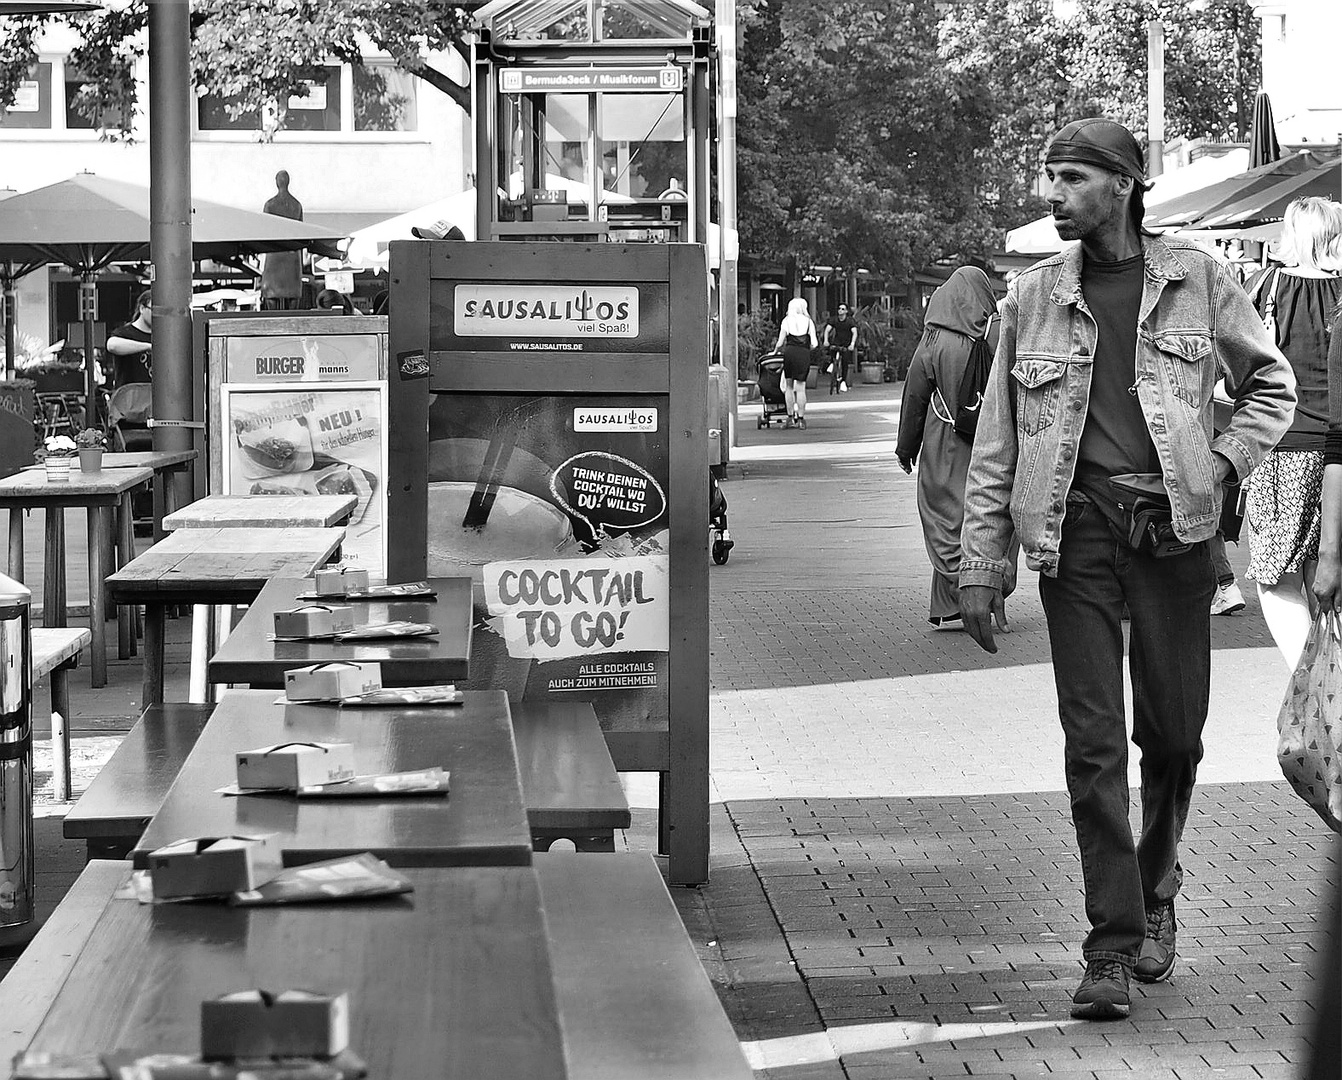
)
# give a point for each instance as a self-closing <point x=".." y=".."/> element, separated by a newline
<point x="138" y="368"/>
<point x="1115" y="439"/>
<point x="842" y="332"/>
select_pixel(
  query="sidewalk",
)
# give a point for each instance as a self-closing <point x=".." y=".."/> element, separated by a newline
<point x="896" y="889"/>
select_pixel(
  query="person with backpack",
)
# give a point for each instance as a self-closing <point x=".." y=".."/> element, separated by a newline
<point x="942" y="392"/>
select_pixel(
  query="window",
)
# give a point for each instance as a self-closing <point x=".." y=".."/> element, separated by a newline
<point x="76" y="120"/>
<point x="213" y="114"/>
<point x="32" y="101"/>
<point x="643" y="144"/>
<point x="384" y="99"/>
<point x="319" y="108"/>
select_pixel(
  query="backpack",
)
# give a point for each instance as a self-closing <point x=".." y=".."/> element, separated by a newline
<point x="973" y="384"/>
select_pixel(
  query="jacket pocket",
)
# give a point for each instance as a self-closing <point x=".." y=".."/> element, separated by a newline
<point x="1187" y="355"/>
<point x="1039" y="386"/>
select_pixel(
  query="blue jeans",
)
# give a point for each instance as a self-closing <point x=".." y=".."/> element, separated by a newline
<point x="1170" y="662"/>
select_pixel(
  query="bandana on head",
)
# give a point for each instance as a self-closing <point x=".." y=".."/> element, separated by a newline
<point x="1099" y="142"/>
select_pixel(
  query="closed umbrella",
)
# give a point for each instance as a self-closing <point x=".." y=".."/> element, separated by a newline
<point x="89" y="222"/>
<point x="1263" y="146"/>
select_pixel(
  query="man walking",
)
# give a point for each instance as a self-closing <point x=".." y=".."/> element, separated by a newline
<point x="1108" y="355"/>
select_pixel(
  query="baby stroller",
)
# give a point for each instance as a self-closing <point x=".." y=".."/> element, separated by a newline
<point x="718" y="534"/>
<point x="769" y="378"/>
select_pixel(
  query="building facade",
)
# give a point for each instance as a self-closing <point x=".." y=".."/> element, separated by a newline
<point x="365" y="143"/>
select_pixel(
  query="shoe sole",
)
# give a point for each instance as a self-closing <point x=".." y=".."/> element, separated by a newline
<point x="1151" y="979"/>
<point x="1100" y="1010"/>
<point x="1230" y="610"/>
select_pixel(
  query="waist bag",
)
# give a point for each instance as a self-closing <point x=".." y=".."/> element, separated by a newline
<point x="1147" y="519"/>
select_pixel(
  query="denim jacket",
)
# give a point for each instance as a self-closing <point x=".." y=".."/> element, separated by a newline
<point x="1195" y="325"/>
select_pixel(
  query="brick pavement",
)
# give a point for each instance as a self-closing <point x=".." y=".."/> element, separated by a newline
<point x="896" y="796"/>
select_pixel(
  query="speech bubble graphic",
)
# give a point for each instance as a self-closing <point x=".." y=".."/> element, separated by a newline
<point x="608" y="492"/>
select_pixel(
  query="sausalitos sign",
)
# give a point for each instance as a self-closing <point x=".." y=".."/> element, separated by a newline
<point x="545" y="311"/>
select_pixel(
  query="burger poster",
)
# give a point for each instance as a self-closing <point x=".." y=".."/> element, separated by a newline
<point x="556" y="507"/>
<point x="313" y="442"/>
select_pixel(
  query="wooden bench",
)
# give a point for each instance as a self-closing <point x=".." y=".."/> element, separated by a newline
<point x="633" y="1000"/>
<point x="130" y="788"/>
<point x="56" y="653"/>
<point x="569" y="785"/>
<point x="633" y="996"/>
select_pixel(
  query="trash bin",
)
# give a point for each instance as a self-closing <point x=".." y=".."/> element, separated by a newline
<point x="16" y="765"/>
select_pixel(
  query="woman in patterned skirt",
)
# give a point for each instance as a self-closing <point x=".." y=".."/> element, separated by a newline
<point x="1298" y="299"/>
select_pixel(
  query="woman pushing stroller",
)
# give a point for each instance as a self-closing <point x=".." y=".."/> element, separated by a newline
<point x="796" y="340"/>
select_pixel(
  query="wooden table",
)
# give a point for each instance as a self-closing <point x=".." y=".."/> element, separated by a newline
<point x="99" y="494"/>
<point x="482" y="821"/>
<point x="263" y="511"/>
<point x="250" y="656"/>
<point x="212" y="566"/>
<point x="162" y="462"/>
<point x="55" y="650"/>
<point x="452" y="981"/>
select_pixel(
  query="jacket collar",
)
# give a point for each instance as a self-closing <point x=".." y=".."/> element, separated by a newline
<point x="1159" y="259"/>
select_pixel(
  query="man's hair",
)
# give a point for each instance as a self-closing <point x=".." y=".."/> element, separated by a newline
<point x="145" y="299"/>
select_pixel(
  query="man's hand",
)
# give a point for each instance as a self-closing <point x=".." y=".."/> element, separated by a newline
<point x="906" y="463"/>
<point x="980" y="606"/>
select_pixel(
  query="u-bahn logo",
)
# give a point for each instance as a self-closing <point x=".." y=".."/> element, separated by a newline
<point x="545" y="311"/>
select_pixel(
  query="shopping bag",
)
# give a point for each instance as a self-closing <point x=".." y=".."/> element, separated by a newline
<point x="1309" y="726"/>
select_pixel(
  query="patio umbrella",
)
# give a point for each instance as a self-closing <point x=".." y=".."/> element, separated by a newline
<point x="1269" y="204"/>
<point x="89" y="222"/>
<point x="1191" y="208"/>
<point x="1263" y="146"/>
<point x="44" y="7"/>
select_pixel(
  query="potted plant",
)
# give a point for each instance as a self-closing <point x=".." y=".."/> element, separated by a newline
<point x="92" y="443"/>
<point x="56" y="454"/>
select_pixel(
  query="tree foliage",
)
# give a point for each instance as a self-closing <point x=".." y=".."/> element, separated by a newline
<point x="886" y="133"/>
<point x="254" y="53"/>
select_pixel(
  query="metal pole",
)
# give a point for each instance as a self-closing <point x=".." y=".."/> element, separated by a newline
<point x="11" y="313"/>
<point x="88" y="314"/>
<point x="727" y="252"/>
<point x="1155" y="97"/>
<point x="170" y="219"/>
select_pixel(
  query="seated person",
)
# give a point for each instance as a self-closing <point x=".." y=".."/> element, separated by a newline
<point x="132" y="344"/>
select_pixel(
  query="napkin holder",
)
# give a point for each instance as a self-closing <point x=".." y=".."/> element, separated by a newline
<point x="212" y="866"/>
<point x="260" y="1024"/>
<point x="314" y="620"/>
<point x="288" y="766"/>
<point x="332" y="681"/>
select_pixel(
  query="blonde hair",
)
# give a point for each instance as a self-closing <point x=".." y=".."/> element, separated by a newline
<point x="797" y="306"/>
<point x="1311" y="234"/>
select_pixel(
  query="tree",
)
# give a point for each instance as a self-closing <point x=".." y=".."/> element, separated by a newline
<point x="855" y="149"/>
<point x="253" y="53"/>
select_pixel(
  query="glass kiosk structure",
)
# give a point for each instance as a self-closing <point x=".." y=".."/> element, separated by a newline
<point x="592" y="120"/>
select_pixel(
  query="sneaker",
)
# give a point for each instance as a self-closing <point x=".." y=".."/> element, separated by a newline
<point x="1228" y="600"/>
<point x="1103" y="993"/>
<point x="1155" y="963"/>
<point x="801" y="422"/>
<point x="843" y="387"/>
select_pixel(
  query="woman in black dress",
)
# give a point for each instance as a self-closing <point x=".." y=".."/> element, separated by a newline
<point x="796" y="340"/>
